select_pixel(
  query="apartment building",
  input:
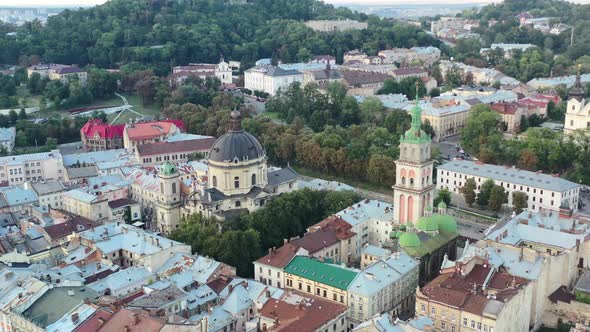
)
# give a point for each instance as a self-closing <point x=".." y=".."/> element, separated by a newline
<point x="270" y="79"/>
<point x="336" y="25"/>
<point x="31" y="167"/>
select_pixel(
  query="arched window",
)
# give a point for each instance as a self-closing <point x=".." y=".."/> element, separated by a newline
<point x="237" y="182"/>
<point x="214" y="181"/>
<point x="411" y="181"/>
<point x="238" y="203"/>
<point x="173" y="188"/>
<point x="403" y="180"/>
<point x="253" y="179"/>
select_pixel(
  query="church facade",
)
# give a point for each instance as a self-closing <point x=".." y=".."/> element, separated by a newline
<point x="577" y="114"/>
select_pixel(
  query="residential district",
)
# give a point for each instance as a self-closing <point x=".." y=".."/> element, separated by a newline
<point x="84" y="232"/>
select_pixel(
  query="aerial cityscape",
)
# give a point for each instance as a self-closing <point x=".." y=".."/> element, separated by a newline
<point x="294" y="165"/>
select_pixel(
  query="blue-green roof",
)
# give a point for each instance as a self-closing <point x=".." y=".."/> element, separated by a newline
<point x="321" y="272"/>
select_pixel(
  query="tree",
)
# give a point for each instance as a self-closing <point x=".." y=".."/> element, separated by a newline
<point x="427" y="127"/>
<point x="483" y="197"/>
<point x="13" y="117"/>
<point x="528" y="160"/>
<point x="519" y="201"/>
<point x="381" y="169"/>
<point x="444" y="195"/>
<point x="372" y="110"/>
<point x="498" y="196"/>
<point x="468" y="191"/>
<point x="101" y="83"/>
<point x="22" y="114"/>
<point x="146" y="88"/>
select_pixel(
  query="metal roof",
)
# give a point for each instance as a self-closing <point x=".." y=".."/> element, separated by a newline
<point x="321" y="272"/>
<point x="509" y="174"/>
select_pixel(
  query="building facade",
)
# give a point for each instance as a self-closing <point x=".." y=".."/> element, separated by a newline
<point x="270" y="79"/>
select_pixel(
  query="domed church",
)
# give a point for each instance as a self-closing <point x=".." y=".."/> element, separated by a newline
<point x="420" y="233"/>
<point x="238" y="178"/>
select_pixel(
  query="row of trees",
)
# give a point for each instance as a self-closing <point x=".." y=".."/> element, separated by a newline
<point x="491" y="196"/>
<point x="241" y="241"/>
<point x="536" y="149"/>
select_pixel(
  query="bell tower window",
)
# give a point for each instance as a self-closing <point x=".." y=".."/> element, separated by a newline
<point x="237" y="182"/>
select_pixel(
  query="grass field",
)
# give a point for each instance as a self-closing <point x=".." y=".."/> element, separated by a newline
<point x="28" y="100"/>
<point x="135" y="101"/>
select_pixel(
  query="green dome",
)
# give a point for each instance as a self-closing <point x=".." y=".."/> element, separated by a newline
<point x="409" y="240"/>
<point x="442" y="205"/>
<point x="427" y="224"/>
<point x="428" y="208"/>
<point x="446" y="223"/>
<point x="168" y="169"/>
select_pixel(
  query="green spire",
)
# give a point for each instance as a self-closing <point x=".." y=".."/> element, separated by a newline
<point x="415" y="134"/>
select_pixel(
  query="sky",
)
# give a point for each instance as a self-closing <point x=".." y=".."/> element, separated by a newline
<point x="58" y="3"/>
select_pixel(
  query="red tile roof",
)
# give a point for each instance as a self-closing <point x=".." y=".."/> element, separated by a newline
<point x="280" y="257"/>
<point x="131" y="321"/>
<point x="121" y="202"/>
<point x="95" y="321"/>
<point x="195" y="145"/>
<point x="295" y="317"/>
<point x="96" y="126"/>
<point x="76" y="224"/>
<point x="505" y="108"/>
<point x="153" y="129"/>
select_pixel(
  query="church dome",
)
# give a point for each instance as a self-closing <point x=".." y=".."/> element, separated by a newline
<point x="409" y="240"/>
<point x="427" y="224"/>
<point x="236" y="144"/>
<point x="446" y="223"/>
<point x="168" y="169"/>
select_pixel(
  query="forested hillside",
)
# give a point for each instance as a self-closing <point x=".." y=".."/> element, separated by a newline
<point x="163" y="33"/>
<point x="557" y="52"/>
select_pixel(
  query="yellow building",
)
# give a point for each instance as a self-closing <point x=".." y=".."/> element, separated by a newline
<point x="318" y="278"/>
<point x="90" y="206"/>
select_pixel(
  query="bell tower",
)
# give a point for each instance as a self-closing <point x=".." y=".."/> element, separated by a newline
<point x="414" y="188"/>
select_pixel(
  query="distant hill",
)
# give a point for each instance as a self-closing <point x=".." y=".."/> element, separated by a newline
<point x="164" y="33"/>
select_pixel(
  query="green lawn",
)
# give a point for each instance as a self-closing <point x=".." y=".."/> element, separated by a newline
<point x="272" y="115"/>
<point x="135" y="101"/>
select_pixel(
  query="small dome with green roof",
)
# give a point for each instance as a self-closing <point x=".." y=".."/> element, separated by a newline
<point x="442" y="205"/>
<point x="168" y="169"/>
<point x="427" y="224"/>
<point x="409" y="240"/>
<point x="446" y="223"/>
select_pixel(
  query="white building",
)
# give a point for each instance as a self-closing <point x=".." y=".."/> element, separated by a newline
<point x="31" y="167"/>
<point x="50" y="193"/>
<point x="336" y="25"/>
<point x="544" y="191"/>
<point x="270" y="79"/>
<point x="222" y="71"/>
